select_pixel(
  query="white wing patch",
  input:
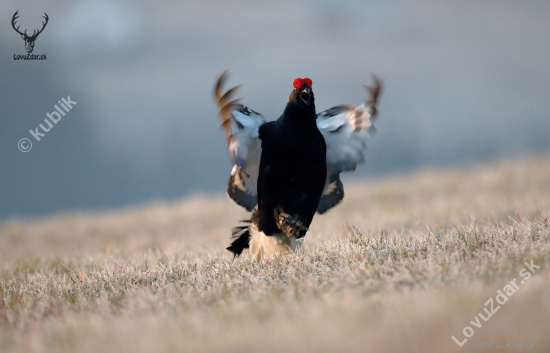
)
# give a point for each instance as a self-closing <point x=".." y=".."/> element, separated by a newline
<point x="346" y="129"/>
<point x="244" y="144"/>
<point x="241" y="125"/>
<point x="245" y="150"/>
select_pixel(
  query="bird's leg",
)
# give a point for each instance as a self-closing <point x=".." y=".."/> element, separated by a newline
<point x="290" y="225"/>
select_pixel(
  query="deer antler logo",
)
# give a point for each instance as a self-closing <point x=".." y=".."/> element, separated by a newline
<point x="29" y="40"/>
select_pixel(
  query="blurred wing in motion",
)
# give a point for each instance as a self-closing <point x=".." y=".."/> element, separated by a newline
<point x="241" y="126"/>
<point x="346" y="129"/>
<point x="332" y="195"/>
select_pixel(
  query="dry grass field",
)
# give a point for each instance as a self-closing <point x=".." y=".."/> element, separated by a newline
<point x="402" y="265"/>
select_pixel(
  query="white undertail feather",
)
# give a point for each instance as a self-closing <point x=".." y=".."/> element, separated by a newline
<point x="263" y="246"/>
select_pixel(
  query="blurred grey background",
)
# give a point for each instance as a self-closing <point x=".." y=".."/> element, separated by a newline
<point x="465" y="81"/>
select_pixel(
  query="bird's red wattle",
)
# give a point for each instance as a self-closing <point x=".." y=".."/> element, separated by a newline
<point x="298" y="83"/>
<point x="307" y="82"/>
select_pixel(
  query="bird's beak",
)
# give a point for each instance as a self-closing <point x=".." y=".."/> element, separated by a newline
<point x="305" y="95"/>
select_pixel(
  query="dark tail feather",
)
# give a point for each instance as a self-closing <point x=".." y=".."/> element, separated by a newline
<point x="241" y="234"/>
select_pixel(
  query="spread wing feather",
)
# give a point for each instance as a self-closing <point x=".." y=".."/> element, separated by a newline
<point x="241" y="125"/>
<point x="346" y="129"/>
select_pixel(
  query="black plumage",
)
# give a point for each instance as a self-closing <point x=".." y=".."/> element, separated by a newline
<point x="293" y="168"/>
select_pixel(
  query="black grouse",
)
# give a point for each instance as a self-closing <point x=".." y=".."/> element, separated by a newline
<point x="289" y="168"/>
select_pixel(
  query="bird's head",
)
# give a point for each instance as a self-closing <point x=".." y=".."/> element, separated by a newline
<point x="301" y="98"/>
